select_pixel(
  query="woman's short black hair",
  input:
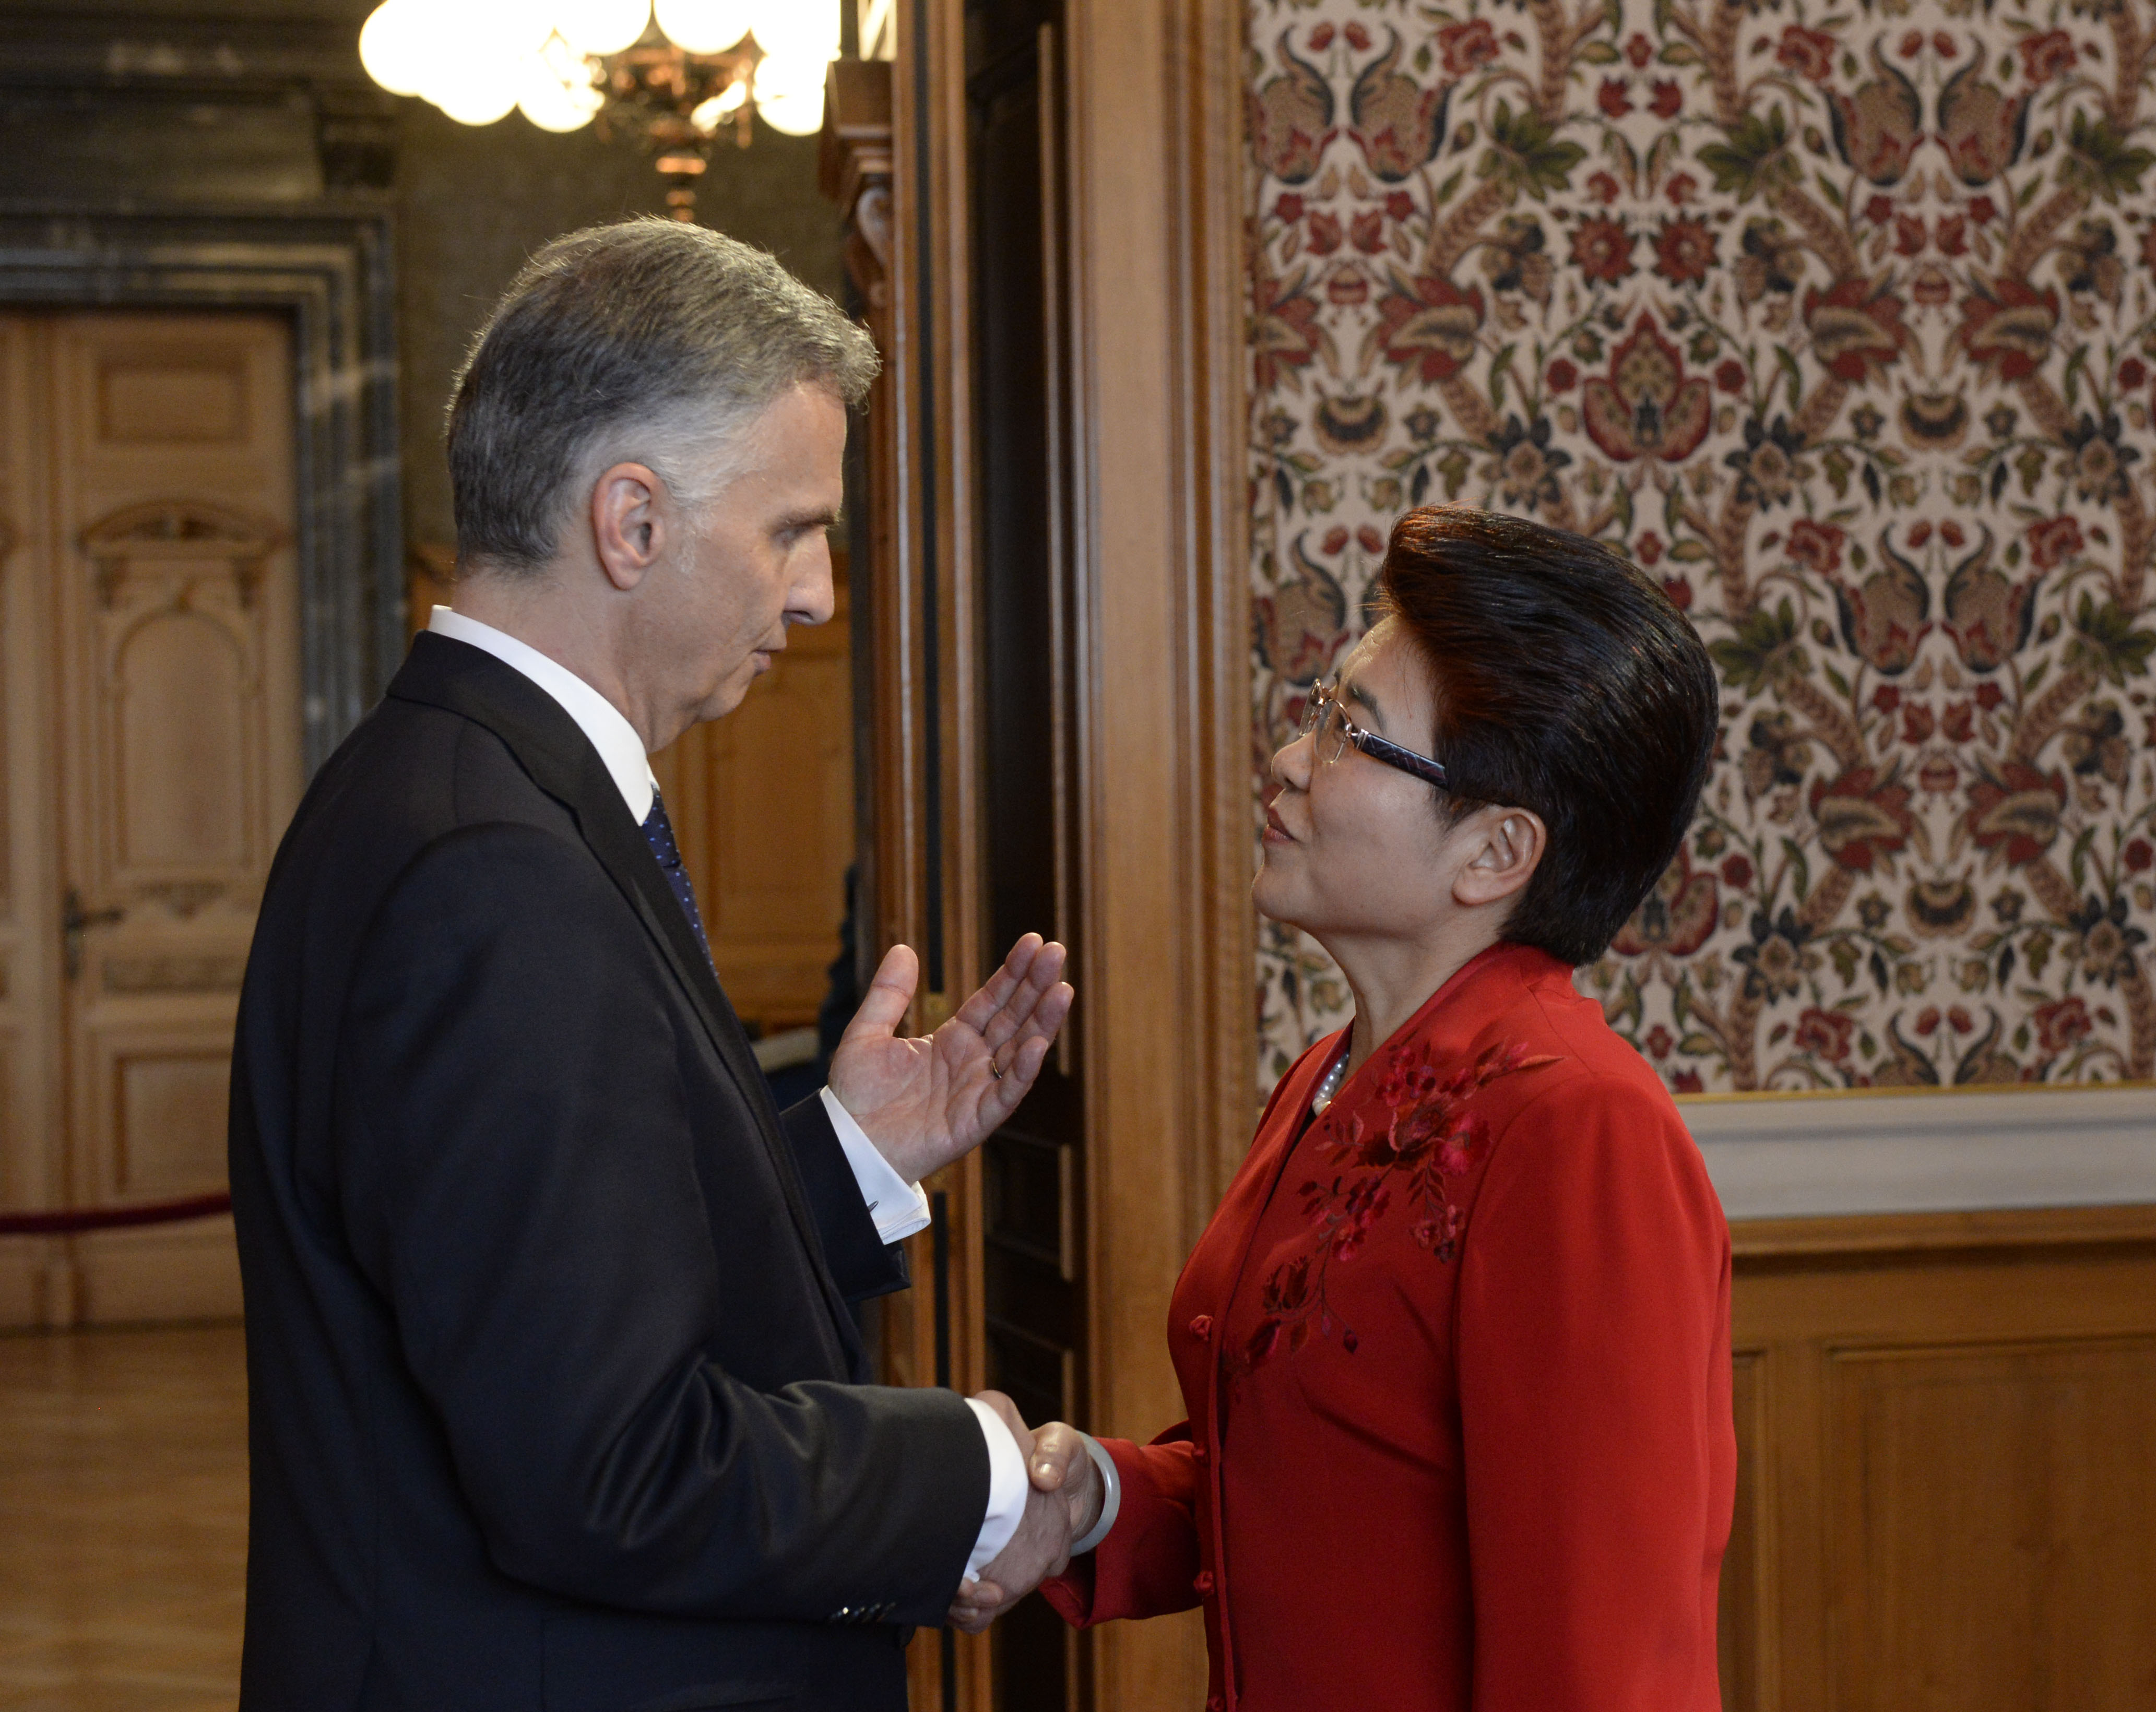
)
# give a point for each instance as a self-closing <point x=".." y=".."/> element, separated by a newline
<point x="1566" y="683"/>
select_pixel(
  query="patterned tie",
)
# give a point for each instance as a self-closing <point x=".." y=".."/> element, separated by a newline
<point x="658" y="833"/>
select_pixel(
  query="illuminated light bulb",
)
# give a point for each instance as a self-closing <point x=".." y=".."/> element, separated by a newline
<point x="479" y="48"/>
<point x="555" y="89"/>
<point x="703" y="26"/>
<point x="394" y="45"/>
<point x="601" y="27"/>
<point x="799" y="29"/>
<point x="710" y="116"/>
<point x="789" y="94"/>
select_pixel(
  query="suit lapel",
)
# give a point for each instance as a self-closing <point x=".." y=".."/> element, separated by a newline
<point x="560" y="760"/>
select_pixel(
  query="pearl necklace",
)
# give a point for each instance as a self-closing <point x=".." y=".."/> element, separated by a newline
<point x="1329" y="1086"/>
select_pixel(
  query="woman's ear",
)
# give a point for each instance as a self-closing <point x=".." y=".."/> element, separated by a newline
<point x="1506" y="846"/>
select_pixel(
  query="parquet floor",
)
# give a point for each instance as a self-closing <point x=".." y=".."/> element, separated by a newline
<point x="123" y="1520"/>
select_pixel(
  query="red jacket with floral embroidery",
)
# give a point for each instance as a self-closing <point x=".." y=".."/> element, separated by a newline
<point x="1457" y="1356"/>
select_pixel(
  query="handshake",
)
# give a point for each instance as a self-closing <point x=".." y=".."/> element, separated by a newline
<point x="1063" y="1504"/>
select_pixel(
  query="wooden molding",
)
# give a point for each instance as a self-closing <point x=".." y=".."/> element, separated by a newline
<point x="1760" y="1243"/>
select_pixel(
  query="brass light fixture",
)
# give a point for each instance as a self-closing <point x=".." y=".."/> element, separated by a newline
<point x="674" y="79"/>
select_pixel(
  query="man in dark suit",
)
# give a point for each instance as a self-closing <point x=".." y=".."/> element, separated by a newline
<point x="557" y="1397"/>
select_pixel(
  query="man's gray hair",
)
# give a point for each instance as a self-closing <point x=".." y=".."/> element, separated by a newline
<point x="650" y="340"/>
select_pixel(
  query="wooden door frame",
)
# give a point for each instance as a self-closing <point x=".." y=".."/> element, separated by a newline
<point x="1153" y="160"/>
<point x="1155" y="99"/>
<point x="331" y="272"/>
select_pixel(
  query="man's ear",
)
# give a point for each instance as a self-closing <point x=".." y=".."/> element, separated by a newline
<point x="630" y="513"/>
<point x="1506" y="846"/>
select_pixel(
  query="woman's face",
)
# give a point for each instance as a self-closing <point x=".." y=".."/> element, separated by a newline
<point x="1355" y="848"/>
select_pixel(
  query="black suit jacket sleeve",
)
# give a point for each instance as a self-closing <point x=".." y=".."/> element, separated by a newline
<point x="862" y="1264"/>
<point x="516" y="1181"/>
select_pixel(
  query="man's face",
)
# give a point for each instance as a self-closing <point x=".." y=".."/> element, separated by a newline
<point x="754" y="560"/>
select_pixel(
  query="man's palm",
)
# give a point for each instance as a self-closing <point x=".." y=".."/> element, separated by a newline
<point x="926" y="1102"/>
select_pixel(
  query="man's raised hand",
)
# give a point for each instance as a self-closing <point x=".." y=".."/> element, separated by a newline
<point x="925" y="1102"/>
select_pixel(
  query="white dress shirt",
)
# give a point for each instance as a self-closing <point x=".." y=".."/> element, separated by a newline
<point x="899" y="1208"/>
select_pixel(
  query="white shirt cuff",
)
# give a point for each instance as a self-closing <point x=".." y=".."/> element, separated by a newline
<point x="1007" y="1486"/>
<point x="898" y="1207"/>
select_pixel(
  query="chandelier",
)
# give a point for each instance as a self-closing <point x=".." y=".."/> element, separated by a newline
<point x="674" y="77"/>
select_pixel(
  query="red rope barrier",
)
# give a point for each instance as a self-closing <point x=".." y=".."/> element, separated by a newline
<point x="107" y="1218"/>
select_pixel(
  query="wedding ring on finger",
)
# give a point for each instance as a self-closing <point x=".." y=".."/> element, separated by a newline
<point x="995" y="1070"/>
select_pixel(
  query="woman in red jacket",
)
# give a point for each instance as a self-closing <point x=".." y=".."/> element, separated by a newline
<point x="1455" y="1346"/>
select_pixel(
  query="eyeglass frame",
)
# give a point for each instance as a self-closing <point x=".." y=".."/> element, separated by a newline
<point x="1323" y="696"/>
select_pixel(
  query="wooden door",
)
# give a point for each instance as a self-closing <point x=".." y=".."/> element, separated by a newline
<point x="153" y="642"/>
<point x="762" y="801"/>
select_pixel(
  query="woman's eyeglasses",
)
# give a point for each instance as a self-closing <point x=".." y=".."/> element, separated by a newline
<point x="1324" y="716"/>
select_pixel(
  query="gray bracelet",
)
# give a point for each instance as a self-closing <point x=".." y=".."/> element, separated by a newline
<point x="1109" y="1506"/>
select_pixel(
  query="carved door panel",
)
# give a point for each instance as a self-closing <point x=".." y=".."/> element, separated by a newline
<point x="176" y="705"/>
<point x="763" y="802"/>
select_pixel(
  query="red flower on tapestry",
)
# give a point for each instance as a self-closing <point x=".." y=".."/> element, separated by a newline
<point x="2047" y="56"/>
<point x="1324" y="233"/>
<point x="1809" y="53"/>
<point x="1284" y="328"/>
<point x="1463" y="47"/>
<point x="2052" y="541"/>
<point x="1647" y="406"/>
<point x="1562" y="375"/>
<point x="1601" y="248"/>
<point x="1684" y="250"/>
<point x="1638" y="49"/>
<point x="1666" y="100"/>
<point x="1824" y="1034"/>
<point x="2062" y="1022"/>
<point x="1417" y="1132"/>
<point x="1863" y="819"/>
<point x="1428" y="324"/>
<point x="1368" y="231"/>
<point x="2139" y="856"/>
<point x="1614" y="98"/>
<point x="1677" y="916"/>
<point x="2007" y="327"/>
<point x="2014" y="812"/>
<point x="1856" y="329"/>
<point x="1817" y="546"/>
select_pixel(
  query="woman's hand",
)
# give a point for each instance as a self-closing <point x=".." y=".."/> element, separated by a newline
<point x="1063" y="1506"/>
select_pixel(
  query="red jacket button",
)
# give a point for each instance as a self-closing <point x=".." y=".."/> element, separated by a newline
<point x="1200" y="1455"/>
<point x="1216" y="1705"/>
<point x="1203" y="1584"/>
<point x="1202" y="1326"/>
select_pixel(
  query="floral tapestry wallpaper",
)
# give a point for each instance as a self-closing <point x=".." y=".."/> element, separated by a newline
<point x="1838" y="316"/>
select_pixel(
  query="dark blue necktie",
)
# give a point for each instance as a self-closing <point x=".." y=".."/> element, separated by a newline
<point x="658" y="833"/>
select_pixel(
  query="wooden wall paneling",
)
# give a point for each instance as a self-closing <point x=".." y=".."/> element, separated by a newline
<point x="932" y="203"/>
<point x="763" y="803"/>
<point x="36" y="1275"/>
<point x="1154" y="97"/>
<point x="1746" y="1577"/>
<point x="1953" y="1504"/>
<point x="894" y="161"/>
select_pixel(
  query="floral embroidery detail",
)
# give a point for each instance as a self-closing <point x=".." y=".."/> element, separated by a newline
<point x="1418" y="1134"/>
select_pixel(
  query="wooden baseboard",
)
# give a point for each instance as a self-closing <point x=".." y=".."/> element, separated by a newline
<point x="159" y="1275"/>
